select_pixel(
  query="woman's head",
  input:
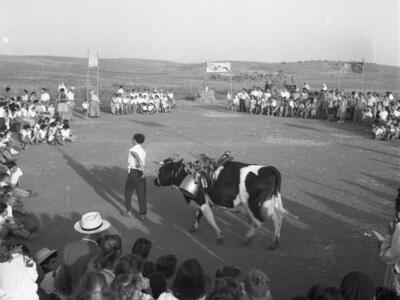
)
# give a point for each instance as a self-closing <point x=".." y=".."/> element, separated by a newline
<point x="110" y="250"/>
<point x="157" y="284"/>
<point x="129" y="264"/>
<point x="189" y="282"/>
<point x="142" y="247"/>
<point x="125" y="286"/>
<point x="257" y="284"/>
<point x="166" y="264"/>
<point x="92" y="286"/>
<point x="357" y="286"/>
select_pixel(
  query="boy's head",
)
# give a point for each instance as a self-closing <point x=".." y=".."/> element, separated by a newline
<point x="138" y="138"/>
<point x="47" y="259"/>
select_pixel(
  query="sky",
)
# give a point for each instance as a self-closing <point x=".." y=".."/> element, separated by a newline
<point x="204" y="30"/>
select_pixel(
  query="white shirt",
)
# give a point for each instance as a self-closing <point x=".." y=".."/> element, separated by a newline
<point x="70" y="96"/>
<point x="132" y="163"/>
<point x="45" y="97"/>
<point x="17" y="279"/>
<point x="15" y="176"/>
<point x="2" y="112"/>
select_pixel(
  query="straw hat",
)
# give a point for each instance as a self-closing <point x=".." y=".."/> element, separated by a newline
<point x="43" y="254"/>
<point x="91" y="223"/>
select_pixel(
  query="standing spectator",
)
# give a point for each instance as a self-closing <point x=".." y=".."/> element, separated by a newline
<point x="94" y="105"/>
<point x="77" y="255"/>
<point x="71" y="97"/>
<point x="136" y="181"/>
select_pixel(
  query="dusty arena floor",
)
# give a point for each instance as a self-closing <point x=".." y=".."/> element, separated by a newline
<point x="338" y="181"/>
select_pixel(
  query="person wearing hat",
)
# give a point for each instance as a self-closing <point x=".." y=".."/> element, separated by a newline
<point x="78" y="254"/>
<point x="49" y="263"/>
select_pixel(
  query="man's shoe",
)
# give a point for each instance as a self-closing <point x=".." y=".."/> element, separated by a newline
<point x="126" y="213"/>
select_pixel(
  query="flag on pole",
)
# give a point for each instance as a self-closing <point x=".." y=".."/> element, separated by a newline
<point x="345" y="67"/>
<point x="218" y="67"/>
<point x="93" y="61"/>
<point x="357" y="67"/>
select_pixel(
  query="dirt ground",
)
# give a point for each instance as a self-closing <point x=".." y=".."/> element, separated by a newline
<point x="338" y="181"/>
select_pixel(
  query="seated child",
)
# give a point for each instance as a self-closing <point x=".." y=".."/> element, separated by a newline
<point x="380" y="132"/>
<point x="54" y="136"/>
<point x="26" y="135"/>
<point x="66" y="134"/>
<point x="9" y="224"/>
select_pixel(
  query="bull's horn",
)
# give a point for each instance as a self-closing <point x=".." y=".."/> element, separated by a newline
<point x="176" y="157"/>
<point x="158" y="162"/>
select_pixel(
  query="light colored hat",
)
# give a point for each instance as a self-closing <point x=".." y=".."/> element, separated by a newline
<point x="43" y="254"/>
<point x="91" y="223"/>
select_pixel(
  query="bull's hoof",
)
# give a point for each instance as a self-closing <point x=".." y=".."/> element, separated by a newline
<point x="274" y="246"/>
<point x="247" y="241"/>
<point x="193" y="228"/>
<point x="220" y="239"/>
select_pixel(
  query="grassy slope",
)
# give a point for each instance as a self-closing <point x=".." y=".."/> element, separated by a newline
<point x="34" y="72"/>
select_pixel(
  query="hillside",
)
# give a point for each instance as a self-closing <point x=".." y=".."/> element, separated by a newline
<point x="34" y="72"/>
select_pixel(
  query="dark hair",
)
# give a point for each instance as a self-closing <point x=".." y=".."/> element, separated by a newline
<point x="11" y="164"/>
<point x="383" y="293"/>
<point x="139" y="138"/>
<point x="3" y="207"/>
<point x="129" y="264"/>
<point x="228" y="271"/>
<point x="329" y="293"/>
<point x="189" y="282"/>
<point x="142" y="247"/>
<point x="166" y="264"/>
<point x="357" y="283"/>
<point x="43" y="126"/>
<point x="227" y="287"/>
<point x="65" y="126"/>
<point x="314" y="290"/>
<point x="148" y="268"/>
<point x="158" y="284"/>
<point x="109" y="251"/>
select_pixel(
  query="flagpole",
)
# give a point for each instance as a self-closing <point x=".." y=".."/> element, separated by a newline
<point x="362" y="76"/>
<point x="97" y="76"/>
<point x="87" y="82"/>
<point x="205" y="77"/>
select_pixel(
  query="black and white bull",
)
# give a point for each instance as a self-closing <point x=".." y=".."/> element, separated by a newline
<point x="252" y="189"/>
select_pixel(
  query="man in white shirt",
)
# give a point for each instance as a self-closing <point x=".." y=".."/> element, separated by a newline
<point x="44" y="96"/>
<point x="136" y="181"/>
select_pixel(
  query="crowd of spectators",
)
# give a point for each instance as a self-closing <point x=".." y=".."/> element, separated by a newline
<point x="96" y="268"/>
<point x="144" y="101"/>
<point x="379" y="113"/>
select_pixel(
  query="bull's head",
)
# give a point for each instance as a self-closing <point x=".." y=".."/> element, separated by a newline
<point x="170" y="172"/>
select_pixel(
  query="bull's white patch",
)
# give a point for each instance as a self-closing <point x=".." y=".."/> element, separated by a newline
<point x="243" y="196"/>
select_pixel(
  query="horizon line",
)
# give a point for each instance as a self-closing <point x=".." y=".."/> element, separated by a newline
<point x="203" y="62"/>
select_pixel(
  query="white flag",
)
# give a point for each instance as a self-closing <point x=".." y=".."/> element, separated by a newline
<point x="218" y="67"/>
<point x="93" y="62"/>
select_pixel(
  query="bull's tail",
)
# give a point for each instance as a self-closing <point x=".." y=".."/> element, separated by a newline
<point x="278" y="180"/>
<point x="281" y="209"/>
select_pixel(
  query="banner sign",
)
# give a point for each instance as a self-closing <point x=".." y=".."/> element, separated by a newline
<point x="218" y="67"/>
<point x="93" y="62"/>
